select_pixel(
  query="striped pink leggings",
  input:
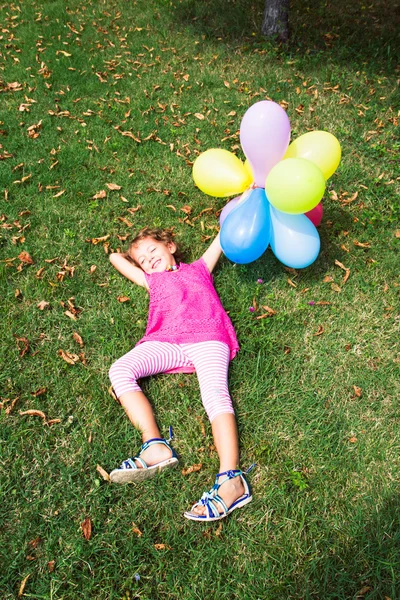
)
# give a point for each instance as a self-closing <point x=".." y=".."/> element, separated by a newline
<point x="210" y="360"/>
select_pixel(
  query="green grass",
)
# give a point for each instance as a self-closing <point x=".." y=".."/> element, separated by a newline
<point x="324" y="522"/>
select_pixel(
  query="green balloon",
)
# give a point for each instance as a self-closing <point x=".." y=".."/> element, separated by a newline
<point x="295" y="186"/>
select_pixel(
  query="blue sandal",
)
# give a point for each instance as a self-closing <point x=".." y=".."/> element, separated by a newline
<point x="214" y="503"/>
<point x="129" y="471"/>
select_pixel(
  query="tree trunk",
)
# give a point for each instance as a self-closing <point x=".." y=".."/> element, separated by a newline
<point x="276" y="19"/>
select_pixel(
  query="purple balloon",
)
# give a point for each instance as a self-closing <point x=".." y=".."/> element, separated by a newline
<point x="265" y="136"/>
<point x="227" y="209"/>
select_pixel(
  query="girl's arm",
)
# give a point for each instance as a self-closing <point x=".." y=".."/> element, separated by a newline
<point x="128" y="269"/>
<point x="212" y="254"/>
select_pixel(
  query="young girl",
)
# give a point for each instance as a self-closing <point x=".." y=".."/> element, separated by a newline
<point x="187" y="330"/>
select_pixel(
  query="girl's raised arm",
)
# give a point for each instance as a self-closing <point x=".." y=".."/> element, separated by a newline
<point x="129" y="270"/>
<point x="212" y="254"/>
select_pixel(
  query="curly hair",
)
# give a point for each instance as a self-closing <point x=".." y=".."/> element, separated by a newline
<point x="166" y="236"/>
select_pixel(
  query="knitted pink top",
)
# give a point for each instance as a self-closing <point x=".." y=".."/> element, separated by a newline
<point x="185" y="308"/>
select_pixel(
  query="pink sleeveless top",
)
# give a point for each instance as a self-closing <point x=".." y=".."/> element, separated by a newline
<point x="185" y="308"/>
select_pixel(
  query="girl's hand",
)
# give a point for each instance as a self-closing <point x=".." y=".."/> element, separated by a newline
<point x="212" y="254"/>
<point x="128" y="269"/>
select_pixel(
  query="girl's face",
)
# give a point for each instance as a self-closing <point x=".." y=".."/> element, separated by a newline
<point x="153" y="256"/>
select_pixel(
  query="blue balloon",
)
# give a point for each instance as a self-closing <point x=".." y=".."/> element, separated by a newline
<point x="294" y="239"/>
<point x="246" y="231"/>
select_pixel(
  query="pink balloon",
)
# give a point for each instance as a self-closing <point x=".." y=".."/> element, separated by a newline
<point x="315" y="214"/>
<point x="265" y="136"/>
<point x="227" y="209"/>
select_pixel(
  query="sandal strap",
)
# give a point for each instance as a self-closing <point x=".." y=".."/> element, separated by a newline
<point x="130" y="463"/>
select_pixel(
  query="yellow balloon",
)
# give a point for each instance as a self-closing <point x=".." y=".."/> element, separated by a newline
<point x="220" y="173"/>
<point x="295" y="185"/>
<point x="320" y="147"/>
<point x="249" y="170"/>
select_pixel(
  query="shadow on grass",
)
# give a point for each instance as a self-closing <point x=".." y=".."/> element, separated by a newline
<point x="366" y="566"/>
<point x="356" y="33"/>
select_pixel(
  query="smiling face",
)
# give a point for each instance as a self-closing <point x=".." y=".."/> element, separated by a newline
<point x="153" y="256"/>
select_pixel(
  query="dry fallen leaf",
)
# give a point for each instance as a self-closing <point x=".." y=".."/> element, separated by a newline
<point x="192" y="469"/>
<point x="22" y="586"/>
<point x="70" y="358"/>
<point x="336" y="288"/>
<point x="10" y="408"/>
<point x="320" y="330"/>
<point x="43" y="304"/>
<point x="39" y="392"/>
<point x="162" y="547"/>
<point x="86" y="527"/>
<point x="113" y="186"/>
<point x="51" y="566"/>
<point x="103" y="473"/>
<point x="357" y="391"/>
<point x="33" y="413"/>
<point x="100" y="195"/>
<point x="25" y="347"/>
<point x="353" y="439"/>
<point x="78" y="338"/>
<point x="136" y="530"/>
<point x="122" y="299"/>
<point x="25" y="258"/>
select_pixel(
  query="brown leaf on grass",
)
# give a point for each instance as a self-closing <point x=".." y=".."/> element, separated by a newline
<point x="10" y="408"/>
<point x="357" y="391"/>
<point x="51" y="566"/>
<point x="33" y="130"/>
<point x="59" y="194"/>
<point x="171" y="206"/>
<point x="133" y="210"/>
<point x="43" y="304"/>
<point x="22" y="586"/>
<point x="39" y="392"/>
<point x="100" y="195"/>
<point x="99" y="240"/>
<point x="25" y="348"/>
<point x="320" y="330"/>
<point x="269" y="310"/>
<point x="199" y="116"/>
<point x="70" y="358"/>
<point x="86" y="527"/>
<point x="113" y="186"/>
<point x="162" y="547"/>
<point x="364" y="590"/>
<point x="347" y="270"/>
<point x="353" y="439"/>
<point x="322" y="303"/>
<point x="125" y="221"/>
<point x="78" y="338"/>
<point x="122" y="299"/>
<point x="136" y="530"/>
<point x="218" y="531"/>
<point x="33" y="413"/>
<point x="103" y="473"/>
<point x="186" y="209"/>
<point x="24" y="179"/>
<point x="69" y="314"/>
<point x="291" y="283"/>
<point x="361" y="244"/>
<point x="26" y="258"/>
<point x="336" y="288"/>
<point x="397" y="233"/>
<point x="327" y="279"/>
<point x="192" y="469"/>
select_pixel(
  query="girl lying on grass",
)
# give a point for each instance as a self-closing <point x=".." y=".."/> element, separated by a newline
<point x="188" y="330"/>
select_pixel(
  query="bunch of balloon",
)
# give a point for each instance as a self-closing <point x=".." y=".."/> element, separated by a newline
<point x="281" y="185"/>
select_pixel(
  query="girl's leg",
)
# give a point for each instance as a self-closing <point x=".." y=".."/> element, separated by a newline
<point x="211" y="360"/>
<point x="146" y="359"/>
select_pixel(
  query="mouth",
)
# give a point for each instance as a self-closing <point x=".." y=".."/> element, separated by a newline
<point x="156" y="263"/>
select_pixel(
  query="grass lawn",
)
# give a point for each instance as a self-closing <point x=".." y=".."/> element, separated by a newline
<point x="104" y="106"/>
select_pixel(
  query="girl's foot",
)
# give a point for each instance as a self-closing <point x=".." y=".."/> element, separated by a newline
<point x="155" y="455"/>
<point x="212" y="505"/>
